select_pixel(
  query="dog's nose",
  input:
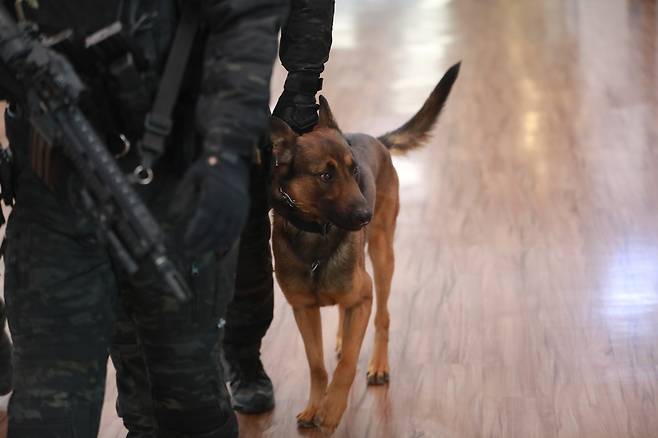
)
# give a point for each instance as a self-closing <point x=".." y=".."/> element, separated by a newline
<point x="363" y="217"/>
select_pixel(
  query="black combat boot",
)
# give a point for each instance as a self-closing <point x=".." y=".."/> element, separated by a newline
<point x="251" y="387"/>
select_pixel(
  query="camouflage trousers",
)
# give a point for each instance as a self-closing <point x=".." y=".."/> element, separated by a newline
<point x="67" y="308"/>
<point x="248" y="317"/>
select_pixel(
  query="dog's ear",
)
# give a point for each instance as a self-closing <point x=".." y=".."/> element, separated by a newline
<point x="327" y="119"/>
<point x="283" y="140"/>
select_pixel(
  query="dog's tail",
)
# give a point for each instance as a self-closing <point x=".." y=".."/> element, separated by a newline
<point x="416" y="131"/>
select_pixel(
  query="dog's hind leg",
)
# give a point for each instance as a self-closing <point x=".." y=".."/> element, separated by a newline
<point x="310" y="326"/>
<point x="380" y="249"/>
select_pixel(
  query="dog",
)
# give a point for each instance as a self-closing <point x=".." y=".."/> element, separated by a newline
<point x="331" y="194"/>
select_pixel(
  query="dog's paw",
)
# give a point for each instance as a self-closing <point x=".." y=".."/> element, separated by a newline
<point x="306" y="418"/>
<point x="377" y="374"/>
<point x="329" y="415"/>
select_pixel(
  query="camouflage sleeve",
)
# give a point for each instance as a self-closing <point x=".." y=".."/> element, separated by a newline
<point x="240" y="49"/>
<point x="306" y="36"/>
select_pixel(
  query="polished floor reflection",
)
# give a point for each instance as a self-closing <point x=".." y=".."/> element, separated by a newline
<point x="525" y="300"/>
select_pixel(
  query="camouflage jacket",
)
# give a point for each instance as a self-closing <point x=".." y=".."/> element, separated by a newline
<point x="229" y="81"/>
<point x="306" y="36"/>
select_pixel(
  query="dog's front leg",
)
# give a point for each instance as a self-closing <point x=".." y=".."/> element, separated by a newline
<point x="354" y="329"/>
<point x="310" y="326"/>
<point x="339" y="332"/>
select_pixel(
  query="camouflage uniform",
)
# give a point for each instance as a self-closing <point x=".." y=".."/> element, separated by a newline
<point x="68" y="306"/>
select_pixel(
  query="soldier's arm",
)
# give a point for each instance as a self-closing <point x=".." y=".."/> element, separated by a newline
<point x="305" y="46"/>
<point x="240" y="50"/>
<point x="231" y="115"/>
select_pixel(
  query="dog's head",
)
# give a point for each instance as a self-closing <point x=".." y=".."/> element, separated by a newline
<point x="315" y="175"/>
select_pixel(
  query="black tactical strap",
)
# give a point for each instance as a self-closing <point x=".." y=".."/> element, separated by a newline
<point x="158" y="124"/>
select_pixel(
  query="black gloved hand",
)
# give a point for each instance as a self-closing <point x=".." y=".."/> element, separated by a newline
<point x="297" y="105"/>
<point x="299" y="111"/>
<point x="223" y="205"/>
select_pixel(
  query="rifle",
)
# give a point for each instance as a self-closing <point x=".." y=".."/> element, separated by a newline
<point x="52" y="88"/>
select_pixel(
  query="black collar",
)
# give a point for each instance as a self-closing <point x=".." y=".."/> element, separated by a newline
<point x="308" y="226"/>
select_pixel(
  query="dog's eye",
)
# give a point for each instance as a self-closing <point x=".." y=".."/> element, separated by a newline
<point x="355" y="171"/>
<point x="326" y="176"/>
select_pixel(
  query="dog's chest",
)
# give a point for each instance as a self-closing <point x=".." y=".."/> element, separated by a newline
<point x="318" y="265"/>
<point x="333" y="273"/>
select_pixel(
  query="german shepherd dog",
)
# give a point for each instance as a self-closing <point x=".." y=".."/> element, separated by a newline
<point x="331" y="194"/>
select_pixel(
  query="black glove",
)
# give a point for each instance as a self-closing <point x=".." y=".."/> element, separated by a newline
<point x="297" y="105"/>
<point x="223" y="206"/>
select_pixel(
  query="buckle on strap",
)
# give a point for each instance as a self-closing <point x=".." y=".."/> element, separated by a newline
<point x="157" y="124"/>
<point x="156" y="129"/>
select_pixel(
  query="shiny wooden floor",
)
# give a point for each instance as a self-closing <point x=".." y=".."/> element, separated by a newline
<point x="525" y="300"/>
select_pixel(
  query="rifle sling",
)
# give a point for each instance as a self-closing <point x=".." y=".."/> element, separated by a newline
<point x="158" y="123"/>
